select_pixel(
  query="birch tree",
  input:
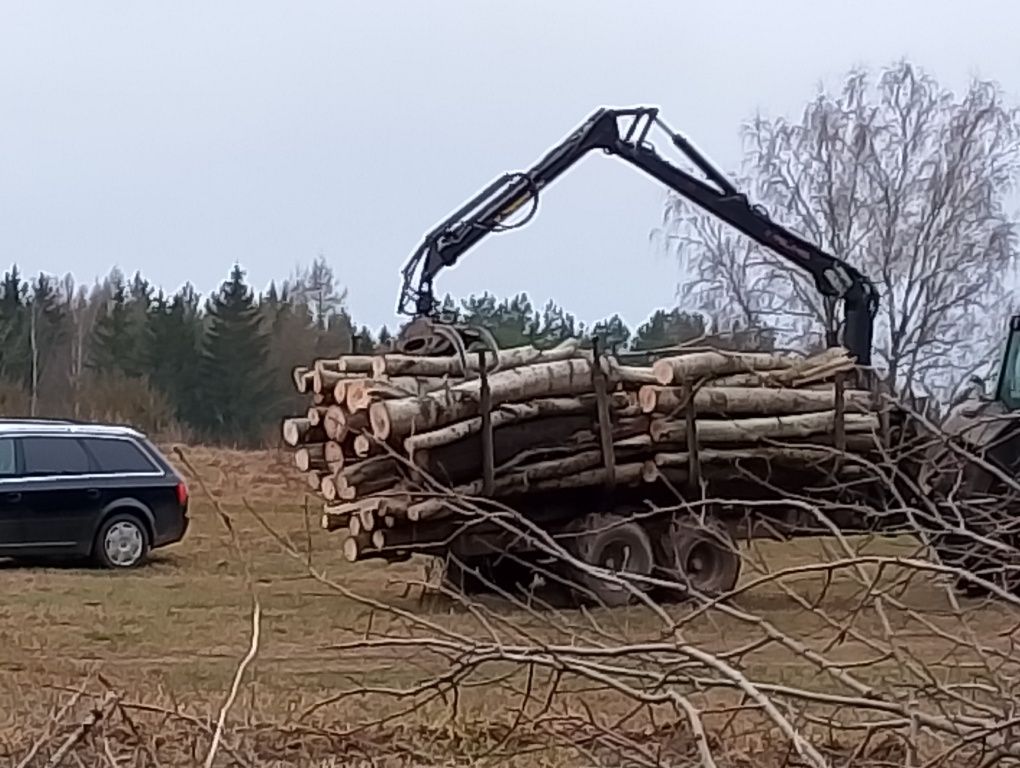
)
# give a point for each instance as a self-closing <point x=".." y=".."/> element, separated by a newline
<point x="900" y="177"/>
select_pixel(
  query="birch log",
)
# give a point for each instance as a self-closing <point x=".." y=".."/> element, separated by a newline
<point x="511" y="413"/>
<point x="756" y="429"/>
<point x="544" y="476"/>
<point x="300" y="378"/>
<point x="740" y="401"/>
<point x="324" y="381"/>
<point x="396" y="419"/>
<point x="674" y="370"/>
<point x="300" y="430"/>
<point x="310" y="457"/>
<point x="361" y="394"/>
<point x="404" y="365"/>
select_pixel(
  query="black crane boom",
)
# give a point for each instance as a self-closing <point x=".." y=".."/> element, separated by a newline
<point x="488" y="211"/>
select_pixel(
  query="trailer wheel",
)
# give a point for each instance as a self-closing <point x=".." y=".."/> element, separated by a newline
<point x="616" y="544"/>
<point x="706" y="560"/>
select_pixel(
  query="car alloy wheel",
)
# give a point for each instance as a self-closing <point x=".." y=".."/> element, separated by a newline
<point x="124" y="543"/>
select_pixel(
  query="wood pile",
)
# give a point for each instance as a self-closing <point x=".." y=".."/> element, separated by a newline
<point x="382" y="431"/>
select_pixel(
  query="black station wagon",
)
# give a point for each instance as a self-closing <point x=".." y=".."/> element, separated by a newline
<point x="74" y="490"/>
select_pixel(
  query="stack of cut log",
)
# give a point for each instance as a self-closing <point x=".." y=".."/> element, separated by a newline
<point x="384" y="435"/>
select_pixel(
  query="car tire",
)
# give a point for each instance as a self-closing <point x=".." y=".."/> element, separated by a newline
<point x="122" y="542"/>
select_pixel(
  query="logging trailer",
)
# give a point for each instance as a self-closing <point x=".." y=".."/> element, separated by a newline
<point x="671" y="527"/>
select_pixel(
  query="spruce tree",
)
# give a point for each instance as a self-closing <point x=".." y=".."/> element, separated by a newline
<point x="237" y="390"/>
<point x="15" y="353"/>
<point x="171" y="355"/>
<point x="48" y="330"/>
<point x="116" y="337"/>
<point x="668" y="329"/>
<point x="613" y="333"/>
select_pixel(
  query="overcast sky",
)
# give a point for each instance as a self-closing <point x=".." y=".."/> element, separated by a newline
<point x="178" y="137"/>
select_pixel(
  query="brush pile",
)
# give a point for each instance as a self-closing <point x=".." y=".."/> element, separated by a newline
<point x="386" y="434"/>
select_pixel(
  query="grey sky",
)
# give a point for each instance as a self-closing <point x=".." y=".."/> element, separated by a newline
<point x="176" y="137"/>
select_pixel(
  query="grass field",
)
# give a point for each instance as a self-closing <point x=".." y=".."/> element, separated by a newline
<point x="169" y="637"/>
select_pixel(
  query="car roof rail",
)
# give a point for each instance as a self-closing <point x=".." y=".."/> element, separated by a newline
<point x="36" y="420"/>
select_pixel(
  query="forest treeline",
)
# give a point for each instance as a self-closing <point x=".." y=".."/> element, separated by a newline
<point x="217" y="369"/>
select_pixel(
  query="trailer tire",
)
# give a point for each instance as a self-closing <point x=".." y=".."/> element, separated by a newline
<point x="617" y="544"/>
<point x="706" y="560"/>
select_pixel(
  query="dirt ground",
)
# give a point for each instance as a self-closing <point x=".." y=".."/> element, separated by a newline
<point x="167" y="639"/>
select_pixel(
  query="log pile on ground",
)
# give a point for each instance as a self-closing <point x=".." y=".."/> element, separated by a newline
<point x="384" y="434"/>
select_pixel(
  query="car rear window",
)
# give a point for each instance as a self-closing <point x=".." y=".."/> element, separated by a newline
<point x="53" y="456"/>
<point x="7" y="465"/>
<point x="118" y="455"/>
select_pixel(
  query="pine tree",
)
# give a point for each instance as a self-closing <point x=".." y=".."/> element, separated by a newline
<point x="237" y="390"/>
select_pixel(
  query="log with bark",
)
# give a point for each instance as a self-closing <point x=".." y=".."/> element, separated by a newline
<point x="397" y="419"/>
<point x="517" y="357"/>
<point x="746" y="401"/>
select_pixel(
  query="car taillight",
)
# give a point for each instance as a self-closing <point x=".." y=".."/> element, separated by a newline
<point x="182" y="493"/>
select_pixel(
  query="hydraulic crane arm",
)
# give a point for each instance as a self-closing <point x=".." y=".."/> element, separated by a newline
<point x="490" y="208"/>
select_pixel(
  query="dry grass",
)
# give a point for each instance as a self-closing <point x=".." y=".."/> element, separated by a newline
<point x="170" y="635"/>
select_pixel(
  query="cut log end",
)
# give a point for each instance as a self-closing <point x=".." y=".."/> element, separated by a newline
<point x="356" y="397"/>
<point x="351" y="549"/>
<point x="379" y="419"/>
<point x="333" y="455"/>
<point x="335" y="423"/>
<point x="648" y="399"/>
<point x="340" y="390"/>
<point x="363" y="446"/>
<point x="294" y="430"/>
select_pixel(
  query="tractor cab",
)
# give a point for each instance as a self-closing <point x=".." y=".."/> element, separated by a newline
<point x="1007" y="387"/>
<point x="989" y="423"/>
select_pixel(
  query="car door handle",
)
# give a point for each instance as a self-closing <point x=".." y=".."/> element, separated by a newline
<point x="92" y="493"/>
<point x="13" y="497"/>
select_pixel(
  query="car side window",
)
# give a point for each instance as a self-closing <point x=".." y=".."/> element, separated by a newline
<point x="8" y="466"/>
<point x="118" y="455"/>
<point x="54" y="456"/>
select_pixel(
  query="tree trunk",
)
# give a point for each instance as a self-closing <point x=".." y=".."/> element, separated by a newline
<point x="334" y="423"/>
<point x="510" y="413"/>
<point x="300" y="430"/>
<point x="355" y="364"/>
<point x="316" y="414"/>
<point x="356" y="546"/>
<point x="396" y="419"/>
<point x="362" y="394"/>
<point x="333" y="455"/>
<point x="310" y="457"/>
<point x="545" y="476"/>
<point x="454" y="462"/>
<point x="325" y="381"/>
<point x="365" y="446"/>
<point x="754" y="430"/>
<point x="632" y="374"/>
<point x="300" y="381"/>
<point x="674" y="370"/>
<point x="413" y="365"/>
<point x="738" y="401"/>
